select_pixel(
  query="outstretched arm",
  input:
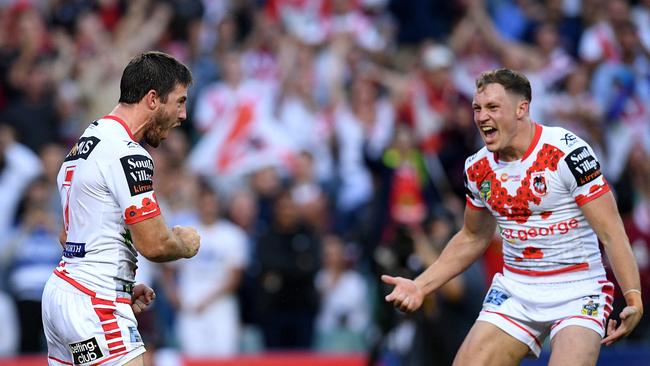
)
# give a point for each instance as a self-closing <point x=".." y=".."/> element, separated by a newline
<point x="461" y="251"/>
<point x="603" y="217"/>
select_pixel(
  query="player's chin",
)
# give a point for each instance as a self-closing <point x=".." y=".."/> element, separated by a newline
<point x="492" y="146"/>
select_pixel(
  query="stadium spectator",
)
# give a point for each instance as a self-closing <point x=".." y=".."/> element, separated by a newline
<point x="30" y="256"/>
<point x="343" y="316"/>
<point x="19" y="166"/>
<point x="288" y="253"/>
<point x="208" y="320"/>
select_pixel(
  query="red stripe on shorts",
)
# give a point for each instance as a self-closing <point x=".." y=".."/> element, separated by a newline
<point x="98" y="301"/>
<point x="517" y="325"/>
<point x="123" y="300"/>
<point x="105" y="314"/>
<point x="116" y="344"/>
<point x="87" y="291"/>
<point x="110" y="326"/>
<point x="113" y="335"/>
<point x="577" y="316"/>
<point x="114" y="351"/>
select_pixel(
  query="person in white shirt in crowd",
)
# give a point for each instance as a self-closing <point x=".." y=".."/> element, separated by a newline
<point x="18" y="167"/>
<point x="298" y="111"/>
<point x="344" y="313"/>
<point x="364" y="121"/>
<point x="575" y="108"/>
<point x="598" y="42"/>
<point x="208" y="321"/>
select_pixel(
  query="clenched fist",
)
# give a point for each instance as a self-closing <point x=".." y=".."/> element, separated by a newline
<point x="190" y="238"/>
<point x="142" y="296"/>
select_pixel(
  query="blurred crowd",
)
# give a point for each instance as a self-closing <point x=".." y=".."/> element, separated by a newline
<point x="324" y="146"/>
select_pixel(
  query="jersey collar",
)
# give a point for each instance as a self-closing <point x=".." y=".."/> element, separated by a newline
<point x="531" y="147"/>
<point x="121" y="121"/>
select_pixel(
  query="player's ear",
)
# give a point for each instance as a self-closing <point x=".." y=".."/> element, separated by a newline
<point x="522" y="108"/>
<point x="151" y="99"/>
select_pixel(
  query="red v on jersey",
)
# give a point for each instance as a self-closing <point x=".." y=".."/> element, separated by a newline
<point x="514" y="207"/>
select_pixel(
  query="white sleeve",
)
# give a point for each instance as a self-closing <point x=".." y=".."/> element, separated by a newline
<point x="129" y="179"/>
<point x="581" y="174"/>
<point x="472" y="191"/>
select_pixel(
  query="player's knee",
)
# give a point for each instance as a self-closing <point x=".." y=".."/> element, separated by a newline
<point x="484" y="349"/>
<point x="487" y="357"/>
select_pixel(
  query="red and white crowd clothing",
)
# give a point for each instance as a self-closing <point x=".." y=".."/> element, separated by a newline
<point x="105" y="184"/>
<point x="316" y="21"/>
<point x="553" y="275"/>
<point x="598" y="43"/>
<point x="241" y="131"/>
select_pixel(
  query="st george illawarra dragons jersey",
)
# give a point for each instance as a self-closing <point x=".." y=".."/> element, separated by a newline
<point x="105" y="184"/>
<point x="536" y="202"/>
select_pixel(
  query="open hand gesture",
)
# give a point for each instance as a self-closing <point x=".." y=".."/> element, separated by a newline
<point x="630" y="317"/>
<point x="406" y="295"/>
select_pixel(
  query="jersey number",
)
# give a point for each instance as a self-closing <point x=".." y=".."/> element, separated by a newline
<point x="67" y="182"/>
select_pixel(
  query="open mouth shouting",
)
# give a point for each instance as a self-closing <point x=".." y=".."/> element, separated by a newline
<point x="489" y="133"/>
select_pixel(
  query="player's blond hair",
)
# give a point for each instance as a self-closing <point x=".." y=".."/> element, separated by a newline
<point x="512" y="81"/>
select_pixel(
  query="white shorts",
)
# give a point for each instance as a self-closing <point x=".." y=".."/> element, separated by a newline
<point x="530" y="312"/>
<point x="86" y="330"/>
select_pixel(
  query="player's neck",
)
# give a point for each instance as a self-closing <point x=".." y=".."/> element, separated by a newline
<point x="520" y="144"/>
<point x="133" y="117"/>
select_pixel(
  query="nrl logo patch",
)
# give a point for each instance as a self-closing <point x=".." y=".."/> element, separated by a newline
<point x="590" y="308"/>
<point x="485" y="191"/>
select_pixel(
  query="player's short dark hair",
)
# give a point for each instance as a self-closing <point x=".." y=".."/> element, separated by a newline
<point x="512" y="81"/>
<point x="152" y="70"/>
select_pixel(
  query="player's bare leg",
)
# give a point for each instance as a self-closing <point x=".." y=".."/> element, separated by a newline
<point x="575" y="346"/>
<point x="138" y="361"/>
<point x="488" y="345"/>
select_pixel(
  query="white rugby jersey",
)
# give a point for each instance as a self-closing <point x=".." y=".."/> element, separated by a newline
<point x="105" y="183"/>
<point x="536" y="202"/>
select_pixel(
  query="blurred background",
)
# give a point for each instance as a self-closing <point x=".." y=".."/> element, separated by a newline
<point x="324" y="146"/>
